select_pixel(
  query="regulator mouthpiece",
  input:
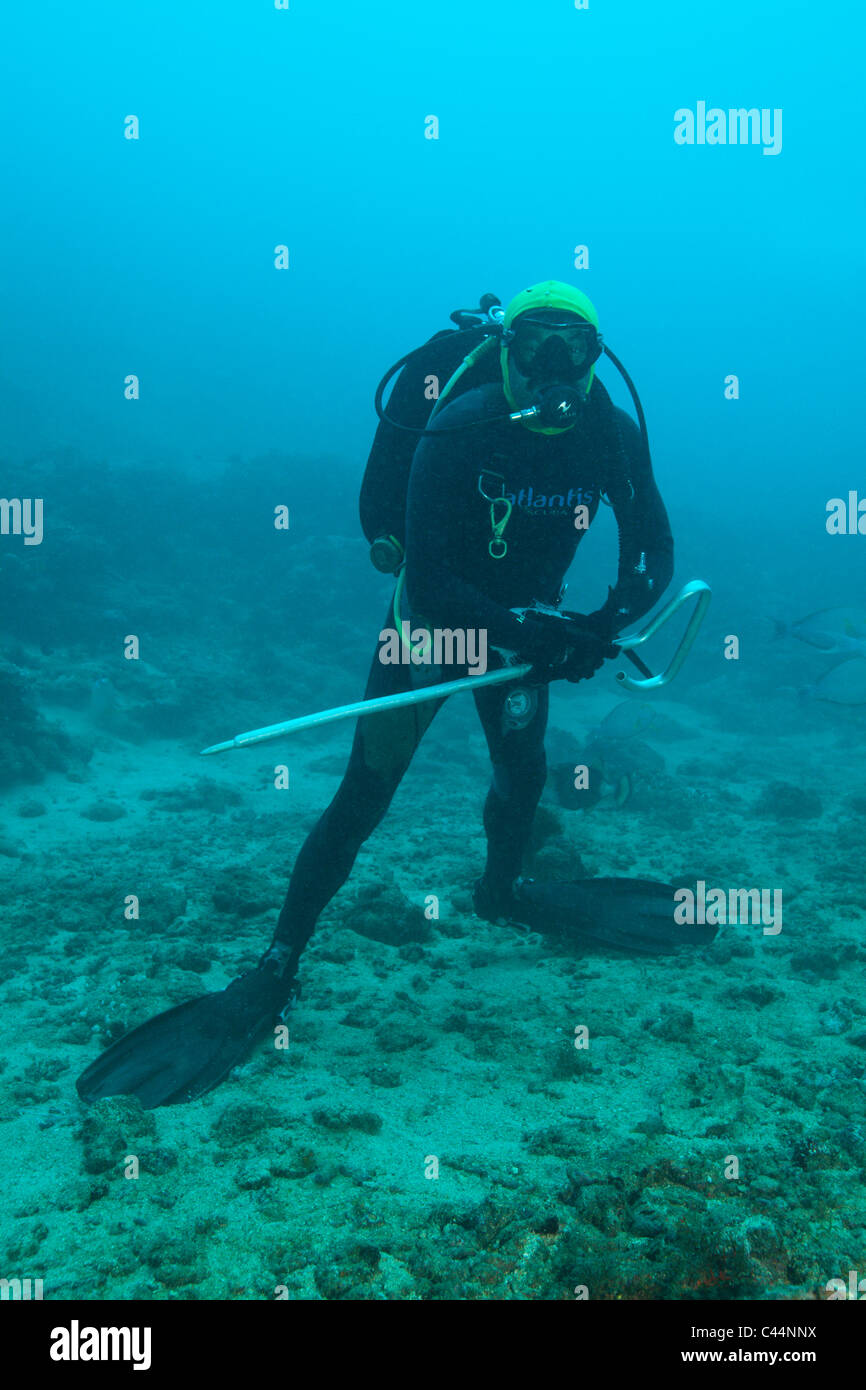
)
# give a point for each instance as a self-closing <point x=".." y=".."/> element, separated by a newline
<point x="556" y="406"/>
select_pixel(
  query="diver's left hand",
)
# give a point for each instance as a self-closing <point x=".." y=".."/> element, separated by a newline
<point x="602" y="623"/>
<point x="587" y="654"/>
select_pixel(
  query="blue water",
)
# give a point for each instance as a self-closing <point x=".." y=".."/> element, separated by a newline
<point x="155" y="259"/>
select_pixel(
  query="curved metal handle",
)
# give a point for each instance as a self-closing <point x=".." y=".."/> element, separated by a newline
<point x="696" y="588"/>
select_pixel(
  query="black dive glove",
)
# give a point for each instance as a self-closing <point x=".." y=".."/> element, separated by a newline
<point x="544" y="642"/>
<point x="560" y="648"/>
<point x="586" y="656"/>
<point x="602" y="623"/>
<point x="594" y="645"/>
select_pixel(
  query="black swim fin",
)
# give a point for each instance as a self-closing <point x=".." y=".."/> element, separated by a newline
<point x="635" y="915"/>
<point x="179" y="1055"/>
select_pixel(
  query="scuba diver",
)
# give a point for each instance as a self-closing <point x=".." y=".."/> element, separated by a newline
<point x="476" y="496"/>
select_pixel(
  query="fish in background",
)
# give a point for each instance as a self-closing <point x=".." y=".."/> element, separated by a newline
<point x="614" y="753"/>
<point x="104" y="700"/>
<point x="843" y="684"/>
<point x="835" y="631"/>
<point x="108" y="711"/>
<point x="628" y="719"/>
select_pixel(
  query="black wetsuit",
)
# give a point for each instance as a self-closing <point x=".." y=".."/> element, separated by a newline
<point x="453" y="582"/>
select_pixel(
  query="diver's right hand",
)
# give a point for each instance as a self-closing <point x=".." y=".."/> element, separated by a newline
<point x="544" y="643"/>
<point x="587" y="655"/>
<point x="561" y="648"/>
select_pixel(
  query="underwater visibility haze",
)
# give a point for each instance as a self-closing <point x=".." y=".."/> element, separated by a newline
<point x="547" y="987"/>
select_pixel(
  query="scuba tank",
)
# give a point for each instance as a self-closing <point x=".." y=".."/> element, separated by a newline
<point x="425" y="372"/>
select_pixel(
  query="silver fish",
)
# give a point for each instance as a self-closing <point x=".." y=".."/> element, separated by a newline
<point x="628" y="719"/>
<point x="843" y="684"/>
<point x="836" y="631"/>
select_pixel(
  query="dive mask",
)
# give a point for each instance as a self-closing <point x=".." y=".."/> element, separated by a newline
<point x="561" y="345"/>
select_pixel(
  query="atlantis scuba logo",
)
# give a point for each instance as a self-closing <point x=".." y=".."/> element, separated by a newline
<point x="736" y="126"/>
<point x="565" y="502"/>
